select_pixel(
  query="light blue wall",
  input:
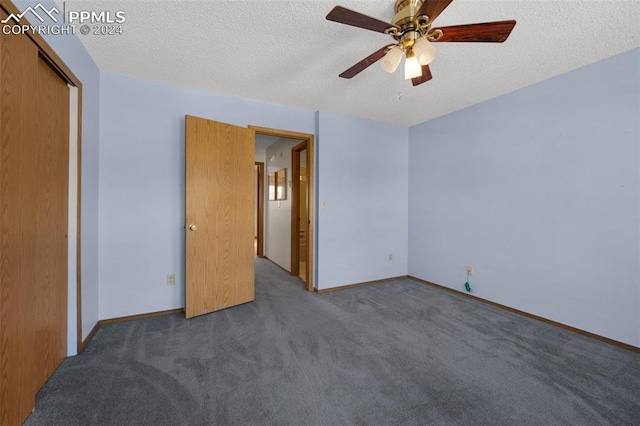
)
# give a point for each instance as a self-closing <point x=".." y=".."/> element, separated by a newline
<point x="75" y="56"/>
<point x="539" y="190"/>
<point x="142" y="184"/>
<point x="362" y="170"/>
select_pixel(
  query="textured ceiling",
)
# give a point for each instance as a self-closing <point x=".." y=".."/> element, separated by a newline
<point x="285" y="52"/>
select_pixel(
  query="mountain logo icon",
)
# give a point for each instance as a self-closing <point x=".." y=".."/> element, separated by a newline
<point x="34" y="11"/>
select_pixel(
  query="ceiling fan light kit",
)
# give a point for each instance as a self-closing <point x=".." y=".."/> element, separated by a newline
<point x="392" y="59"/>
<point x="412" y="67"/>
<point x="413" y="35"/>
<point x="424" y="50"/>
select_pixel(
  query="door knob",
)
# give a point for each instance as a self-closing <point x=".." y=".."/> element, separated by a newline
<point x="193" y="227"/>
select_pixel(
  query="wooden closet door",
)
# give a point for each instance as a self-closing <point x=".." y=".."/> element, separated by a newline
<point x="52" y="205"/>
<point x="34" y="147"/>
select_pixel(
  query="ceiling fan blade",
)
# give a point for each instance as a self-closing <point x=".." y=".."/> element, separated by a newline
<point x="488" y="32"/>
<point x="433" y="8"/>
<point x="426" y="76"/>
<point x="365" y="63"/>
<point x="350" y="17"/>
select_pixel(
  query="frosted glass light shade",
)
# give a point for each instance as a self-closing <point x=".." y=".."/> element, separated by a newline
<point x="424" y="51"/>
<point x="392" y="59"/>
<point x="412" y="67"/>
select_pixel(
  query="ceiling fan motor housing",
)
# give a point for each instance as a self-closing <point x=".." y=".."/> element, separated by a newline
<point x="406" y="10"/>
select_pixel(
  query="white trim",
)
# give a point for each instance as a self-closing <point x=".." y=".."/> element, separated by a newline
<point x="72" y="232"/>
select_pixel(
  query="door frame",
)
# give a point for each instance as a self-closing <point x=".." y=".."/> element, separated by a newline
<point x="309" y="140"/>
<point x="295" y="208"/>
<point x="260" y="198"/>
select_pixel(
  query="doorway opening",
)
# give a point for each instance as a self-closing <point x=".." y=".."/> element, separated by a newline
<point x="301" y="217"/>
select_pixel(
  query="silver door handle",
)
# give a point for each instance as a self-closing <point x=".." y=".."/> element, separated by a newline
<point x="193" y="227"/>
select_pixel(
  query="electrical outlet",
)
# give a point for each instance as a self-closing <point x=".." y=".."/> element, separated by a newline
<point x="171" y="279"/>
<point x="390" y="257"/>
<point x="469" y="269"/>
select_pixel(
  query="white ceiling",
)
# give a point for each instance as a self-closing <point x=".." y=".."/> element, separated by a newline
<point x="285" y="52"/>
<point x="265" y="141"/>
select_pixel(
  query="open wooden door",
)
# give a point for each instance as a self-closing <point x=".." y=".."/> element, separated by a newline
<point x="219" y="160"/>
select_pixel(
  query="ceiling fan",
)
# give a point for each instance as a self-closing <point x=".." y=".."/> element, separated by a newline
<point x="413" y="34"/>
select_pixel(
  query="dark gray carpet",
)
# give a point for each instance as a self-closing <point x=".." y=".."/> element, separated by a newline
<point x="394" y="353"/>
